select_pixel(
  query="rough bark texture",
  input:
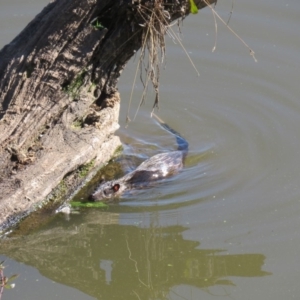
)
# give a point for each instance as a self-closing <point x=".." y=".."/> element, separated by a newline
<point x="59" y="103"/>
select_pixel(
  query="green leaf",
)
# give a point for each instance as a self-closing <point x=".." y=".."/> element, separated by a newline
<point x="96" y="23"/>
<point x="194" y="8"/>
<point x="12" y="277"/>
<point x="88" y="204"/>
<point x="9" y="286"/>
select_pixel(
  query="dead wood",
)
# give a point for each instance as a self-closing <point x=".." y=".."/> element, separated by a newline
<point x="59" y="103"/>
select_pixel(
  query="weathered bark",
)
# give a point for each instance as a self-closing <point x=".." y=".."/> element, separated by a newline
<point x="59" y="103"/>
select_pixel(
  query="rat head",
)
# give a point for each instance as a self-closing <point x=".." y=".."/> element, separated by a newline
<point x="108" y="190"/>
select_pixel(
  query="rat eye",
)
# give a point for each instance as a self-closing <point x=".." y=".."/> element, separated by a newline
<point x="116" y="187"/>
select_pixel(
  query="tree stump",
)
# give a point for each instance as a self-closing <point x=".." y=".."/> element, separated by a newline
<point x="59" y="103"/>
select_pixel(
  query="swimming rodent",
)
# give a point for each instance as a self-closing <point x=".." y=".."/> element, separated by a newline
<point x="153" y="169"/>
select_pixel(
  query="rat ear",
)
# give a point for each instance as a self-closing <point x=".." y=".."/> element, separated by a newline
<point x="116" y="187"/>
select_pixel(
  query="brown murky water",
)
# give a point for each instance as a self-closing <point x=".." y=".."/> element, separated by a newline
<point x="228" y="225"/>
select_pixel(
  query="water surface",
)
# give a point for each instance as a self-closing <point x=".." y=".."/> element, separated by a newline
<point x="227" y="225"/>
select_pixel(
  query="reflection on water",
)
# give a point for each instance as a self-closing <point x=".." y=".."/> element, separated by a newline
<point x="105" y="260"/>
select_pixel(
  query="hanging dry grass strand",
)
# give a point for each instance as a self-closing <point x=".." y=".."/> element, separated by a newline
<point x="252" y="53"/>
<point x="155" y="22"/>
<point x="231" y="12"/>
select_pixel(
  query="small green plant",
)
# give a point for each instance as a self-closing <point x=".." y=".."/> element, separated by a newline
<point x="194" y="8"/>
<point x="84" y="169"/>
<point x="118" y="151"/>
<point x="73" y="88"/>
<point x="92" y="87"/>
<point x="78" y="123"/>
<point x="96" y="23"/>
<point x="76" y="204"/>
<point x="5" y="283"/>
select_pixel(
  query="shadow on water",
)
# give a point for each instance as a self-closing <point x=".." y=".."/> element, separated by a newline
<point x="96" y="255"/>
